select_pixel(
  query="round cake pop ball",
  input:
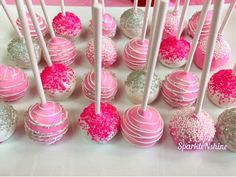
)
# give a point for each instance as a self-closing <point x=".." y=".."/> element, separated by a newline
<point x="62" y="51"/>
<point x="58" y="81"/>
<point x="13" y="83"/>
<point x="171" y="24"/>
<point x="180" y="89"/>
<point x="68" y="25"/>
<point x="173" y="52"/>
<point x="193" y="23"/>
<point x="8" y="120"/>
<point x="135" y="84"/>
<point x="109" y="52"/>
<point x="102" y="127"/>
<point x="222" y="88"/>
<point x="18" y="53"/>
<point x="109" y="25"/>
<point x="142" y="129"/>
<point x="42" y="25"/>
<point x="131" y="22"/>
<point x="109" y="86"/>
<point x="135" y="54"/>
<point x="221" y="53"/>
<point x="46" y="123"/>
<point x="226" y="129"/>
<point x="188" y="128"/>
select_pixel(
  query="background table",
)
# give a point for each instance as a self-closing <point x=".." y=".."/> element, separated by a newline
<point x="76" y="154"/>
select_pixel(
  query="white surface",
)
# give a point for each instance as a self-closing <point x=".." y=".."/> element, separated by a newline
<point x="76" y="154"/>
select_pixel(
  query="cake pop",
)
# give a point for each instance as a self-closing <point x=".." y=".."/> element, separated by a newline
<point x="172" y="22"/>
<point x="109" y="25"/>
<point x="8" y="120"/>
<point x="58" y="80"/>
<point x="67" y="24"/>
<point x="226" y="129"/>
<point x="16" y="50"/>
<point x="135" y="51"/>
<point x="101" y="121"/>
<point x="222" y="49"/>
<point x="174" y="50"/>
<point x="45" y="122"/>
<point x="131" y="21"/>
<point x="192" y="125"/>
<point x="180" y="88"/>
<point x="142" y="125"/>
<point x="61" y="50"/>
<point x="109" y="52"/>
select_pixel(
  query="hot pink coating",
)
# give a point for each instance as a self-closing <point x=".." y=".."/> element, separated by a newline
<point x="46" y="123"/>
<point x="174" y="52"/>
<point x="143" y="129"/>
<point x="68" y="26"/>
<point x="103" y="127"/>
<point x="222" y="88"/>
<point x="193" y="23"/>
<point x="41" y="22"/>
<point x="180" y="89"/>
<point x="171" y="24"/>
<point x="62" y="51"/>
<point x="109" y="86"/>
<point x="187" y="127"/>
<point x="13" y="83"/>
<point x="135" y="53"/>
<point x="108" y="25"/>
<point x="109" y="52"/>
<point x="221" y="53"/>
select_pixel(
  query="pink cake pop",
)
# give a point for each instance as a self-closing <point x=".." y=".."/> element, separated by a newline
<point x="45" y="122"/>
<point x="180" y="88"/>
<point x="174" y="50"/>
<point x="142" y="125"/>
<point x="61" y="50"/>
<point x="58" y="80"/>
<point x="109" y="52"/>
<point x="13" y="83"/>
<point x="172" y="22"/>
<point x="192" y="125"/>
<point x="67" y="24"/>
<point x="135" y="51"/>
<point x="101" y="121"/>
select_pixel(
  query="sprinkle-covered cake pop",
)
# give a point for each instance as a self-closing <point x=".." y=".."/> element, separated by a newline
<point x="13" y="83"/>
<point x="135" y="83"/>
<point x="109" y="52"/>
<point x="109" y="86"/>
<point x="226" y="129"/>
<point x="8" y="120"/>
<point x="171" y="24"/>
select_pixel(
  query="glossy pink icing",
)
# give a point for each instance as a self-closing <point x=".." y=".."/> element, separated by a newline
<point x="135" y="53"/>
<point x="142" y="129"/>
<point x="13" y="83"/>
<point x="62" y="51"/>
<point x="109" y="86"/>
<point x="171" y="24"/>
<point x="221" y="53"/>
<point x="180" y="89"/>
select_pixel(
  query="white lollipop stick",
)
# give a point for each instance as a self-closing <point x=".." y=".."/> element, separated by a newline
<point x="145" y="22"/>
<point x="182" y="18"/>
<point x="30" y="47"/>
<point x="227" y="16"/>
<point x="4" y="5"/>
<point x="197" y="34"/>
<point x="51" y="30"/>
<point x="103" y="7"/>
<point x="156" y="37"/>
<point x="176" y="5"/>
<point x="97" y="21"/>
<point x="234" y="70"/>
<point x="63" y="8"/>
<point x="39" y="32"/>
<point x="135" y="5"/>
<point x="209" y="53"/>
